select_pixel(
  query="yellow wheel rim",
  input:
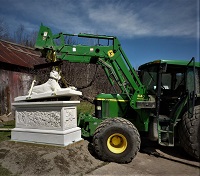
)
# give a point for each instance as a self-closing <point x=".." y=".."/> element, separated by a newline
<point x="117" y="143"/>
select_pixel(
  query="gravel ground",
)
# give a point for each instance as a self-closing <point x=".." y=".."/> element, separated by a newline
<point x="33" y="159"/>
<point x="79" y="159"/>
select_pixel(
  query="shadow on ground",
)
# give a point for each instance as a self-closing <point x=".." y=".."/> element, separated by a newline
<point x="175" y="153"/>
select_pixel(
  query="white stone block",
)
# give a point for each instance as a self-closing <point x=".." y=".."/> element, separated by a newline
<point x="50" y="137"/>
<point x="67" y="92"/>
<point x="53" y="122"/>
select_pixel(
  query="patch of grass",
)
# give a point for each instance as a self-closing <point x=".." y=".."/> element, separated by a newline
<point x="85" y="107"/>
<point x="5" y="135"/>
<point x="9" y="124"/>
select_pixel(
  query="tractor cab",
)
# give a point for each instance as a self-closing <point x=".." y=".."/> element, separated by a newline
<point x="169" y="81"/>
<point x="174" y="85"/>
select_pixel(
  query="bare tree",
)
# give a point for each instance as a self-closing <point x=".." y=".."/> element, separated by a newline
<point x="32" y="38"/>
<point x="4" y="30"/>
<point x="20" y="36"/>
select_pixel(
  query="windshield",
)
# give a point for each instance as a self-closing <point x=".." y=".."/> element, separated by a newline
<point x="173" y="79"/>
<point x="149" y="78"/>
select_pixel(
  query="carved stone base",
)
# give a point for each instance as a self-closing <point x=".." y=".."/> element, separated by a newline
<point x="52" y="122"/>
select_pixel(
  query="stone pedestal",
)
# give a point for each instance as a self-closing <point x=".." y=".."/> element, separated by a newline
<point x="52" y="122"/>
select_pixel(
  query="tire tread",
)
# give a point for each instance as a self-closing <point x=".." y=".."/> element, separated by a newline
<point x="109" y="122"/>
<point x="188" y="133"/>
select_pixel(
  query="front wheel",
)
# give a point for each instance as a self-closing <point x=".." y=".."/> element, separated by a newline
<point x="116" y="140"/>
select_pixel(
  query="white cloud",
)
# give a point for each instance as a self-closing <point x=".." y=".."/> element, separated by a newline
<point x="172" y="18"/>
<point x="166" y="18"/>
<point x="122" y="18"/>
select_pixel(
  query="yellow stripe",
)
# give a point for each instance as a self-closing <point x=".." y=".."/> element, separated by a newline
<point x="112" y="100"/>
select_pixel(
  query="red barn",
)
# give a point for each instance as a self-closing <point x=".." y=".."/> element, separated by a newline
<point x="16" y="72"/>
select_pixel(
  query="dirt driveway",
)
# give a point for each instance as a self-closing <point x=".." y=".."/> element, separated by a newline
<point x="79" y="159"/>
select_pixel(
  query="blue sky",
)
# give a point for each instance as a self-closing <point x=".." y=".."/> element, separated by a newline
<point x="147" y="29"/>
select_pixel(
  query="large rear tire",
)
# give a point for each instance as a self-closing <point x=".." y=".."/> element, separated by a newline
<point x="189" y="133"/>
<point x="116" y="140"/>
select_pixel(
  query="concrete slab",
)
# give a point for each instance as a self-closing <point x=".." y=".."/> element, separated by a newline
<point x="145" y="164"/>
<point x="49" y="137"/>
<point x="67" y="92"/>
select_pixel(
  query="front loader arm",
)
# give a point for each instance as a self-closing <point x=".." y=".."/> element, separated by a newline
<point x="111" y="57"/>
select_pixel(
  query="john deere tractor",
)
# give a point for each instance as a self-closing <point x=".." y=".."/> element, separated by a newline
<point x="161" y="100"/>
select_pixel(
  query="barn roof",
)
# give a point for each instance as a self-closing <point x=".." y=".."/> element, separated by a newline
<point x="18" y="55"/>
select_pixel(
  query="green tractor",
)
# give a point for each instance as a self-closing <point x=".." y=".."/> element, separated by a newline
<point x="161" y="100"/>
